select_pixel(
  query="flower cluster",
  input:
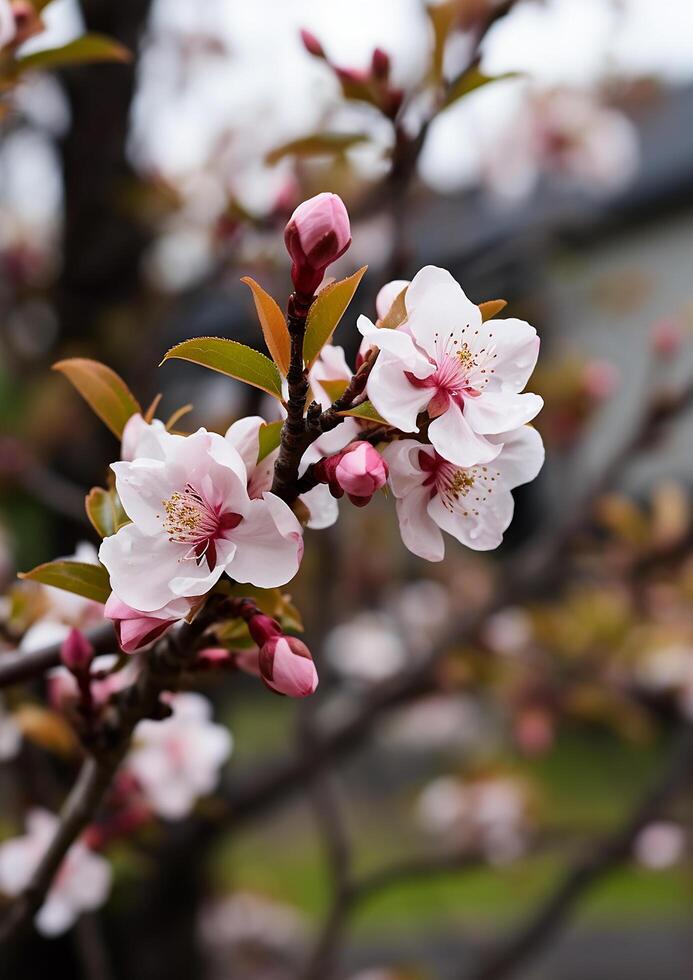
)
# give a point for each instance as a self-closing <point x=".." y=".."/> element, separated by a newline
<point x="202" y="530"/>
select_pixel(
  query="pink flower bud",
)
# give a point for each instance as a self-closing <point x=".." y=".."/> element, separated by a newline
<point x="262" y="627"/>
<point x="317" y="234"/>
<point x="667" y="338"/>
<point x="133" y="628"/>
<point x="212" y="657"/>
<point x="380" y="64"/>
<point x="351" y="76"/>
<point x="287" y="667"/>
<point x="312" y="45"/>
<point x="361" y="471"/>
<point x="76" y="652"/>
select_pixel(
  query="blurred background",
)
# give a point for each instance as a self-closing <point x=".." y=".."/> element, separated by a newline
<point x="517" y="800"/>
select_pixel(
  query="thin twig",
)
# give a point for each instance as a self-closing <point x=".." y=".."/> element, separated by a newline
<point x="595" y="864"/>
<point x="21" y="666"/>
<point x="161" y="670"/>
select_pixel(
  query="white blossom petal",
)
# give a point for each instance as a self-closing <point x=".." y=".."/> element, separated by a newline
<point x="499" y="411"/>
<point x="456" y="440"/>
<point x="269" y="544"/>
<point x="522" y="456"/>
<point x="419" y="531"/>
<point x="436" y="307"/>
<point x="149" y="571"/>
<point x="394" y="397"/>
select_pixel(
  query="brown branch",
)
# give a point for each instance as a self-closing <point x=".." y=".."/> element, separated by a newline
<point x="21" y="666"/>
<point x="161" y="670"/>
<point x="294" y="432"/>
<point x="596" y="863"/>
<point x="85" y="796"/>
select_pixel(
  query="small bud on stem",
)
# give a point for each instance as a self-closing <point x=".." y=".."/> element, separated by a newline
<point x="317" y="234"/>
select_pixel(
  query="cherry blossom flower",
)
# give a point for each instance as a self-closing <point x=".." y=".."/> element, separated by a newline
<point x="81" y="885"/>
<point x="367" y="648"/>
<point x="177" y="760"/>
<point x="489" y="814"/>
<point x="473" y="504"/>
<point x="467" y="375"/>
<point x="192" y="520"/>
<point x="660" y="845"/>
<point x="568" y="135"/>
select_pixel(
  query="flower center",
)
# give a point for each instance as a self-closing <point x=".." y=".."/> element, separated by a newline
<point x="460" y="373"/>
<point x="190" y="519"/>
<point x="460" y="490"/>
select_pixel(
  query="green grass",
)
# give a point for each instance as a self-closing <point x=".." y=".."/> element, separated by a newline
<point x="586" y="784"/>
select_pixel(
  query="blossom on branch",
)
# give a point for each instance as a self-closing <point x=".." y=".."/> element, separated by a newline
<point x="177" y="760"/>
<point x="136" y="629"/>
<point x="81" y="885"/>
<point x="317" y="234"/>
<point x="192" y="520"/>
<point x="467" y="376"/>
<point x="473" y="504"/>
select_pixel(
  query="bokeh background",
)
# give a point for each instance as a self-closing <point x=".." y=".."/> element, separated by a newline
<point x="132" y="199"/>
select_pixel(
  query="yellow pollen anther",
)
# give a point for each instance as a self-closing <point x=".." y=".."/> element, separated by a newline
<point x="465" y="357"/>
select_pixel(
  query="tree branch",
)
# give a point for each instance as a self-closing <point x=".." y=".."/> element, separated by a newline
<point x="161" y="670"/>
<point x="294" y="434"/>
<point x="596" y="863"/>
<point x="23" y="666"/>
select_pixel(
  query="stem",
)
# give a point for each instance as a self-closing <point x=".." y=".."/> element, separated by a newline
<point x="293" y="439"/>
<point x="23" y="666"/>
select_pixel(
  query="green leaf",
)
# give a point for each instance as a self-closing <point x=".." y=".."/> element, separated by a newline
<point x="88" y="48"/>
<point x="273" y="323"/>
<point x="103" y="390"/>
<point x="334" y="389"/>
<point x="230" y="358"/>
<point x="326" y="312"/>
<point x="90" y="581"/>
<point x="469" y="81"/>
<point x="269" y="437"/>
<point x="397" y="313"/>
<point x="366" y="411"/>
<point x="105" y="511"/>
<point x="491" y="307"/>
<point x="316" y="145"/>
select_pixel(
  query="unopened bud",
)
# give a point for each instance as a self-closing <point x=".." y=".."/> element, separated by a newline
<point x="351" y="76"/>
<point x="380" y="65"/>
<point x="213" y="657"/>
<point x="262" y="627"/>
<point x="359" y="471"/>
<point x="76" y="652"/>
<point x="312" y="45"/>
<point x="287" y="667"/>
<point x="134" y="629"/>
<point x="317" y="234"/>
